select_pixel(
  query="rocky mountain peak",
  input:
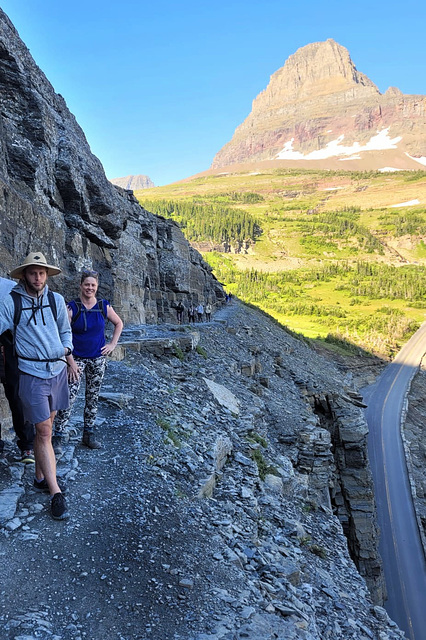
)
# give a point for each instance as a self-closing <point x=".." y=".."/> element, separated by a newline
<point x="314" y="70"/>
<point x="319" y="110"/>
<point x="133" y="183"/>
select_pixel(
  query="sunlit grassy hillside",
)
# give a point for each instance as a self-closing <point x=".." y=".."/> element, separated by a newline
<point x="335" y="255"/>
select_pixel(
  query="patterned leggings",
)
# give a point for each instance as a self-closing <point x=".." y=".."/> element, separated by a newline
<point x="94" y="369"/>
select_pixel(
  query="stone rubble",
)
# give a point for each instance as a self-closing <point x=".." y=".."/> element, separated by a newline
<point x="197" y="522"/>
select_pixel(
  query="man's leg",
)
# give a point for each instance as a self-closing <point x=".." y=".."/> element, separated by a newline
<point x="44" y="454"/>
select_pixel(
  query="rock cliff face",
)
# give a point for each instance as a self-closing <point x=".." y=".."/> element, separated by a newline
<point x="318" y="107"/>
<point x="55" y="197"/>
<point x="134" y="182"/>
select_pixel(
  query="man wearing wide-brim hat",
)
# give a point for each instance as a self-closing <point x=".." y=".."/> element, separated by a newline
<point x="42" y="343"/>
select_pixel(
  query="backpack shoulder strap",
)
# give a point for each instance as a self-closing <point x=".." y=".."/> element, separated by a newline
<point x="52" y="304"/>
<point x="17" y="302"/>
<point x="77" y="311"/>
<point x="102" y="305"/>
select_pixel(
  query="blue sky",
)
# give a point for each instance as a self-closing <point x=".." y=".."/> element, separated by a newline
<point x="159" y="87"/>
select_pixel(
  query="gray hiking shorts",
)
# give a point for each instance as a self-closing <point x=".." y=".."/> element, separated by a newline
<point x="41" y="396"/>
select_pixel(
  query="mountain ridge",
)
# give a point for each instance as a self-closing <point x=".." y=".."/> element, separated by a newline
<point x="133" y="182"/>
<point x="317" y="100"/>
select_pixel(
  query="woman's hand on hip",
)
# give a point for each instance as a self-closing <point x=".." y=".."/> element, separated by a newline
<point x="107" y="349"/>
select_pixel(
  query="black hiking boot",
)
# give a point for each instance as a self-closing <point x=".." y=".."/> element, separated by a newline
<point x="58" y="507"/>
<point x="90" y="441"/>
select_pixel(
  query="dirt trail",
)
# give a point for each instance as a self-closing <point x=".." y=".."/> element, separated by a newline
<point x="101" y="573"/>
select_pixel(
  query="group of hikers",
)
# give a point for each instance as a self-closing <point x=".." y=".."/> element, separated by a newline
<point x="46" y="346"/>
<point x="194" y="312"/>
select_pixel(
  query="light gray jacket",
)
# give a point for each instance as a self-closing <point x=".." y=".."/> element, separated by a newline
<point x="5" y="286"/>
<point x="38" y="335"/>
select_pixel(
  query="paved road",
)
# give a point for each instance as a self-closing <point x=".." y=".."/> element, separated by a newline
<point x="400" y="546"/>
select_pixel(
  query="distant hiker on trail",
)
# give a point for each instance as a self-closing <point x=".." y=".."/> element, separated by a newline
<point x="208" y="312"/>
<point x="42" y="339"/>
<point x="179" y="311"/>
<point x="200" y="312"/>
<point x="9" y="376"/>
<point x="88" y="316"/>
<point x="191" y="313"/>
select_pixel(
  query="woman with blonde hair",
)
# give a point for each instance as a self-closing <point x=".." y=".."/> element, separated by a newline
<point x="88" y="316"/>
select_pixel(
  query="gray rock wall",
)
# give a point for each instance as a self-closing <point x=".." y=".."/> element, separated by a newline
<point x="55" y="197"/>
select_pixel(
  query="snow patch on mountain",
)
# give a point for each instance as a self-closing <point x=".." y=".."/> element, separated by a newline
<point x="380" y="142"/>
<point x="409" y="203"/>
<point x="421" y="160"/>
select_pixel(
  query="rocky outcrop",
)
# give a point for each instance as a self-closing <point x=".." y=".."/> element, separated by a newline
<point x="329" y="448"/>
<point x="233" y="493"/>
<point x="55" y="197"/>
<point x="133" y="183"/>
<point x="318" y="107"/>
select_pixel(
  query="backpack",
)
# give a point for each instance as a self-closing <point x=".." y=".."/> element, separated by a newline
<point x="17" y="300"/>
<point x="8" y="338"/>
<point x="98" y="307"/>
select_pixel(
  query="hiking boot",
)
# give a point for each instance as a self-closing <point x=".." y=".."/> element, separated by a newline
<point x="57" y="445"/>
<point x="27" y="456"/>
<point x="90" y="441"/>
<point x="43" y="486"/>
<point x="58" y="507"/>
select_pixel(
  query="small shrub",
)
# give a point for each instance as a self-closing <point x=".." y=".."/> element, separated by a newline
<point x="317" y="550"/>
<point x="255" y="437"/>
<point x="262" y="466"/>
<point x="163" y="423"/>
<point x="179" y="353"/>
<point x="169" y="429"/>
<point x="201" y="351"/>
<point x="309" y="506"/>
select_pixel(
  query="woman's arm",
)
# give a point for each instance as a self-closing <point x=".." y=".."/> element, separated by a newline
<point x="118" y="328"/>
<point x="73" y="370"/>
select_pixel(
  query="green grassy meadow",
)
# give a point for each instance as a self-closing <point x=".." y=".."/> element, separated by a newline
<point x="335" y="256"/>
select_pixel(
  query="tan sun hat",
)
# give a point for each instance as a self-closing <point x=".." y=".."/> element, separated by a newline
<point x="34" y="259"/>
